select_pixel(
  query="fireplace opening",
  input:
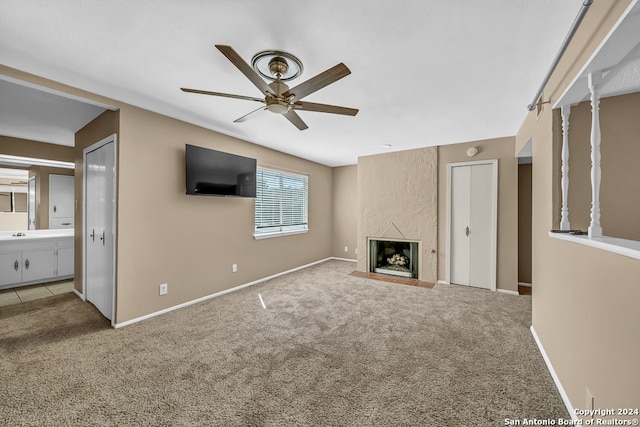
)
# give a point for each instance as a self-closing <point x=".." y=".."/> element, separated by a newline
<point x="396" y="258"/>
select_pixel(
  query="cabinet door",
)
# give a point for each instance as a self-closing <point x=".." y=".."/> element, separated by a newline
<point x="10" y="268"/>
<point x="61" y="196"/>
<point x="65" y="262"/>
<point x="38" y="264"/>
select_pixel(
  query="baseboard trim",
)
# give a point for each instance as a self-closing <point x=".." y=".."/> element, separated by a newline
<point x="217" y="294"/>
<point x="442" y="282"/>
<point x="508" y="292"/>
<point x="342" y="259"/>
<point x="556" y="380"/>
<point x="528" y="285"/>
<point x="80" y="295"/>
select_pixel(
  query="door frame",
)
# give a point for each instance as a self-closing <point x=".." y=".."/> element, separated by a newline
<point x="494" y="216"/>
<point x="114" y="139"/>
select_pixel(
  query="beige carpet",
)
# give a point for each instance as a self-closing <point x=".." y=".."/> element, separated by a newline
<point x="329" y="349"/>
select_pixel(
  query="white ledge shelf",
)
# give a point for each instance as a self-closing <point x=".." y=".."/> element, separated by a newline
<point x="629" y="248"/>
<point x="278" y="234"/>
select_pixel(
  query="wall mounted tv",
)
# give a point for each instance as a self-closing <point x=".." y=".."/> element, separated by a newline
<point x="215" y="173"/>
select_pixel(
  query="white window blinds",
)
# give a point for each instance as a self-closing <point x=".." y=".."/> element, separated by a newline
<point x="281" y="202"/>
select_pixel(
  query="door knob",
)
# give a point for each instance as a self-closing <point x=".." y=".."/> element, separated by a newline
<point x="26" y="264"/>
<point x="16" y="265"/>
<point x="467" y="232"/>
<point x="93" y="235"/>
<point x="102" y="238"/>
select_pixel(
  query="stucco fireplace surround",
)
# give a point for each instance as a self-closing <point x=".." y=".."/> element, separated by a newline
<point x="397" y="202"/>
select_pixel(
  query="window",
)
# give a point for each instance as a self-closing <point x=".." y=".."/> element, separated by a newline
<point x="281" y="203"/>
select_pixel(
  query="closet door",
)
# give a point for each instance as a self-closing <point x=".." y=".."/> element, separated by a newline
<point x="460" y="223"/>
<point x="472" y="233"/>
<point x="99" y="230"/>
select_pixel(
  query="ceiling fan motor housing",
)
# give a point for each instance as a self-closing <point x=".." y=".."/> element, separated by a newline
<point x="278" y="67"/>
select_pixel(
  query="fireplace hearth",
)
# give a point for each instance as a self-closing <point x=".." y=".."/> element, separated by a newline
<point x="395" y="258"/>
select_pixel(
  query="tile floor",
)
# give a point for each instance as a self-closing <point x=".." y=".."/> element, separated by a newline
<point x="33" y="292"/>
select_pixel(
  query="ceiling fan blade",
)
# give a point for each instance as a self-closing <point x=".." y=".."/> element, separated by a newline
<point x="226" y="95"/>
<point x="324" y="108"/>
<point x="323" y="79"/>
<point x="248" y="115"/>
<point x="294" y="118"/>
<point x="245" y="68"/>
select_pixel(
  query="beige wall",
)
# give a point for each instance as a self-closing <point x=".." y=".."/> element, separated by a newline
<point x="37" y="150"/>
<point x="584" y="299"/>
<point x="397" y="198"/>
<point x="524" y="223"/>
<point x="12" y="221"/>
<point x="189" y="242"/>
<point x="507" y="248"/>
<point x="345" y="211"/>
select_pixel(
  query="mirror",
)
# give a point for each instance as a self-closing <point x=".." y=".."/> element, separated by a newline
<point x="36" y="197"/>
<point x="13" y="199"/>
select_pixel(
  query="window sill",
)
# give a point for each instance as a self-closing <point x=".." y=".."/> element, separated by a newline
<point x="278" y="234"/>
<point x="629" y="248"/>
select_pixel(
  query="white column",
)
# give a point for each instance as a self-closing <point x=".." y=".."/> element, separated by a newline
<point x="564" y="213"/>
<point x="595" y="79"/>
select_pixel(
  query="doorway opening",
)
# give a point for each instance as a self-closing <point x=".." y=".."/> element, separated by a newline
<point x="525" y="217"/>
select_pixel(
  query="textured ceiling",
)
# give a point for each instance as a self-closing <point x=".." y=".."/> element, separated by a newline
<point x="424" y="72"/>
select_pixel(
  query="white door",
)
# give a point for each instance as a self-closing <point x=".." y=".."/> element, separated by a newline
<point x="31" y="204"/>
<point x="472" y="216"/>
<point x="99" y="230"/>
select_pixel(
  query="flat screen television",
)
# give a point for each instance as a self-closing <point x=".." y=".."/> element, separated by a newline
<point x="215" y="173"/>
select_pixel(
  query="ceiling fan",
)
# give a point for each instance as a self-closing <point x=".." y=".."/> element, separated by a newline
<point x="279" y="67"/>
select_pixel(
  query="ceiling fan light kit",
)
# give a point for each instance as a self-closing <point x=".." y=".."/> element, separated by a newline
<point x="279" y="67"/>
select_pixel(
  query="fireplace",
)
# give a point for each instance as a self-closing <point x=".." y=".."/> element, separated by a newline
<point x="393" y="257"/>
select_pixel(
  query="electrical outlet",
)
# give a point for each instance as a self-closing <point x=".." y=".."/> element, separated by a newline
<point x="234" y="268"/>
<point x="164" y="288"/>
<point x="346" y="248"/>
<point x="356" y="251"/>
